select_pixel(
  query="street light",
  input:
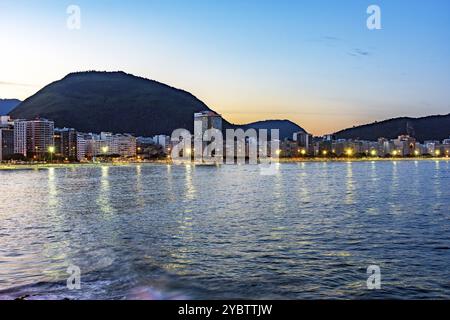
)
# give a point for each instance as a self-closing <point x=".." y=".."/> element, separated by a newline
<point x="349" y="152"/>
<point x="51" y="150"/>
<point x="105" y="150"/>
<point x="373" y="153"/>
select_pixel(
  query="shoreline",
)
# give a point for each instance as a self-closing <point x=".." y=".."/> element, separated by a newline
<point x="38" y="166"/>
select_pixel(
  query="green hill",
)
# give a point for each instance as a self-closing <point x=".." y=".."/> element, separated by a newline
<point x="120" y="103"/>
<point x="112" y="101"/>
<point x="426" y="128"/>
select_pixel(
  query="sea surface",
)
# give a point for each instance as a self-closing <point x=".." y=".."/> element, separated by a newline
<point x="152" y="231"/>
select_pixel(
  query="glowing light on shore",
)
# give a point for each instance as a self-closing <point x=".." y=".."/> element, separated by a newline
<point x="437" y="153"/>
<point x="373" y="153"/>
<point x="349" y="152"/>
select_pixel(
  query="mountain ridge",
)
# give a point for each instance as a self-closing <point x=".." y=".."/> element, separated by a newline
<point x="432" y="127"/>
<point x="6" y="105"/>
<point x="93" y="101"/>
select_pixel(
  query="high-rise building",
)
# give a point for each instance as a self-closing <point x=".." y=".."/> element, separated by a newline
<point x="303" y="139"/>
<point x="6" y="143"/>
<point x="33" y="138"/>
<point x="20" y="137"/>
<point x="405" y="145"/>
<point x="105" y="144"/>
<point x="431" y="146"/>
<point x="163" y="141"/>
<point x="57" y="136"/>
<point x="81" y="147"/>
<point x="39" y="138"/>
<point x="5" y="121"/>
<point x="204" y="121"/>
<point x="209" y="120"/>
<point x="126" y="145"/>
<point x="65" y="141"/>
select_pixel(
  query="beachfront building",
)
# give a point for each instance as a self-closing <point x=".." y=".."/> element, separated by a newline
<point x="6" y="143"/>
<point x="92" y="145"/>
<point x="34" y="138"/>
<point x="124" y="145"/>
<point x="432" y="146"/>
<point x="20" y="137"/>
<point x="65" y="141"/>
<point x="5" y="121"/>
<point x="161" y="140"/>
<point x="405" y="145"/>
<point x="6" y="138"/>
<point x="304" y="142"/>
<point x="204" y="121"/>
<point x="39" y="138"/>
<point x="69" y="143"/>
<point x="81" y="147"/>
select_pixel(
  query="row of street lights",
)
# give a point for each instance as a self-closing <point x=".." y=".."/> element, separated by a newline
<point x="350" y="152"/>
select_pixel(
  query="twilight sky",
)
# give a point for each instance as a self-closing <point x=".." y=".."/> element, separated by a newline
<point x="313" y="62"/>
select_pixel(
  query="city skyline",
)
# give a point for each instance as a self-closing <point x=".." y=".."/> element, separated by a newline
<point x="315" y="64"/>
<point x="39" y="140"/>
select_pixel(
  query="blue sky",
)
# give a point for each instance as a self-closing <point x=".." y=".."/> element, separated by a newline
<point x="313" y="62"/>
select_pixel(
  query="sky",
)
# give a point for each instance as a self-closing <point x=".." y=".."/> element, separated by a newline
<point x="313" y="62"/>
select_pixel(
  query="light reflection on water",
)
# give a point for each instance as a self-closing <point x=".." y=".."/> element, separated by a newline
<point x="309" y="231"/>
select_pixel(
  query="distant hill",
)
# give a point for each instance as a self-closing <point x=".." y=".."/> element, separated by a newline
<point x="286" y="127"/>
<point x="121" y="103"/>
<point x="112" y="101"/>
<point x="6" y="105"/>
<point x="426" y="128"/>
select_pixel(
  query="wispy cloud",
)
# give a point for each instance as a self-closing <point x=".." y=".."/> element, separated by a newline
<point x="17" y="84"/>
<point x="333" y="41"/>
<point x="326" y="39"/>
<point x="331" y="38"/>
<point x="359" y="53"/>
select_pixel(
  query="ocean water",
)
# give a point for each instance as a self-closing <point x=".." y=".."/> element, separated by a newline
<point x="198" y="232"/>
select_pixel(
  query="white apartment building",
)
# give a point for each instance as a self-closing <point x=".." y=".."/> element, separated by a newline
<point x="203" y="121"/>
<point x="81" y="147"/>
<point x="163" y="141"/>
<point x="20" y="137"/>
<point x="106" y="144"/>
<point x="124" y="145"/>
